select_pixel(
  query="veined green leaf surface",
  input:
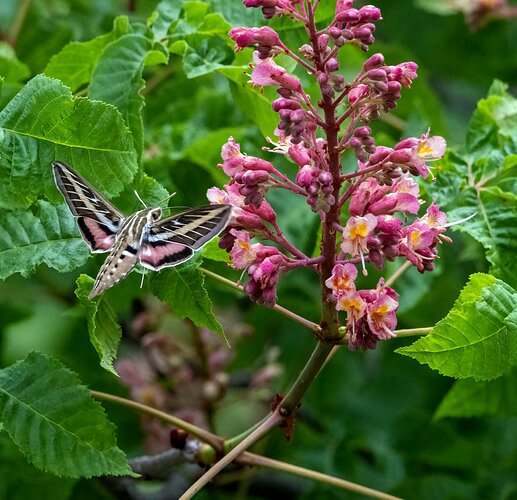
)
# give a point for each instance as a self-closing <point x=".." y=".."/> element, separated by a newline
<point x="75" y="63"/>
<point x="44" y="122"/>
<point x="478" y="338"/>
<point x="183" y="289"/>
<point x="482" y="180"/>
<point x="54" y="421"/>
<point x="117" y="79"/>
<point x="46" y="234"/>
<point x="105" y="332"/>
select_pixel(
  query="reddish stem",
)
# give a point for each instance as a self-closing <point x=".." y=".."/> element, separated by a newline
<point x="329" y="317"/>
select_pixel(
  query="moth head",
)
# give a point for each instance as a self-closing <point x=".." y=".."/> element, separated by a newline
<point x="154" y="215"/>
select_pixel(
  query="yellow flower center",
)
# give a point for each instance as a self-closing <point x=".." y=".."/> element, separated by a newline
<point x="415" y="236"/>
<point x="358" y="231"/>
<point x="424" y="149"/>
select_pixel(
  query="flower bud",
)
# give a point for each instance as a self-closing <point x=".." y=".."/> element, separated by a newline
<point x="374" y="62"/>
<point x="378" y="75"/>
<point x="332" y="64"/>
<point x="362" y="132"/>
<point x="335" y="32"/>
<point x="348" y="16"/>
<point x="369" y="13"/>
<point x="325" y="178"/>
<point x="297" y="116"/>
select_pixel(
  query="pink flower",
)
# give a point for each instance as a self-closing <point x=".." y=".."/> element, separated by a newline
<point x="418" y="245"/>
<point x="381" y="315"/>
<point x="403" y="73"/>
<point x="241" y="215"/>
<point x="243" y="253"/>
<point x="235" y="161"/>
<point x="264" y="275"/>
<point x="356" y="233"/>
<point x="342" y="279"/>
<point x="354" y="306"/>
<point x="420" y="151"/>
<point x="434" y="217"/>
<point x="267" y="72"/>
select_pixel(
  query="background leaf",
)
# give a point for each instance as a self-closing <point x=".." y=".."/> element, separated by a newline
<point x="183" y="289"/>
<point x="65" y="432"/>
<point x="44" y="122"/>
<point x="45" y="234"/>
<point x="468" y="398"/>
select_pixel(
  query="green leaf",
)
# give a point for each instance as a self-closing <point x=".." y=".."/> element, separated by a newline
<point x="46" y="234"/>
<point x="75" y="63"/>
<point x="44" y="122"/>
<point x="468" y="398"/>
<point x="212" y="251"/>
<point x="183" y="289"/>
<point x="11" y="68"/>
<point x="206" y="151"/>
<point x="204" y="55"/>
<point x="105" y="332"/>
<point x="255" y="104"/>
<point x="483" y="179"/>
<point x="20" y="480"/>
<point x="478" y="338"/>
<point x="117" y="79"/>
<point x="166" y="12"/>
<point x="54" y="421"/>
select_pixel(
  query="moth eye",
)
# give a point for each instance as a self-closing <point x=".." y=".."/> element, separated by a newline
<point x="156" y="215"/>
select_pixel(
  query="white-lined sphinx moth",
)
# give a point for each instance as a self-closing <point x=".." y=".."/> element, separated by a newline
<point x="143" y="237"/>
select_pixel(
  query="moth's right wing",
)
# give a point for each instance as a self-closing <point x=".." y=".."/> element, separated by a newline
<point x="98" y="220"/>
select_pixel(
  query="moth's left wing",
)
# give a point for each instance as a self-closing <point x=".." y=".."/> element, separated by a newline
<point x="173" y="240"/>
<point x="98" y="220"/>
<point x="193" y="228"/>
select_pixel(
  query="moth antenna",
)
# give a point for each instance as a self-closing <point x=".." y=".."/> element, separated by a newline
<point x="165" y="199"/>
<point x="142" y="281"/>
<point x="141" y="201"/>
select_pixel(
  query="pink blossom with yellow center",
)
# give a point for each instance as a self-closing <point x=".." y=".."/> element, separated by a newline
<point x="243" y="252"/>
<point x="342" y="279"/>
<point x="381" y="317"/>
<point x="356" y="232"/>
<point x="352" y="303"/>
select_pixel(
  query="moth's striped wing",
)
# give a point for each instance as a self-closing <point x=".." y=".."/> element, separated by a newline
<point x="98" y="220"/>
<point x="173" y="240"/>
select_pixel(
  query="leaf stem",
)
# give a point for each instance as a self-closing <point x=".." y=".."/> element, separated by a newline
<point x="257" y="460"/>
<point x="198" y="432"/>
<point x="19" y="18"/>
<point x="282" y="310"/>
<point x="412" y="332"/>
<point x="398" y="273"/>
<point x="246" y="458"/>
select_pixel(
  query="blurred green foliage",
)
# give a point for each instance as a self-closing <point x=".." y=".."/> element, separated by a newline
<point x="375" y="418"/>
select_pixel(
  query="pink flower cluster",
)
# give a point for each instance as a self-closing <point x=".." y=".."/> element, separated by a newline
<point x="373" y="204"/>
<point x="371" y="314"/>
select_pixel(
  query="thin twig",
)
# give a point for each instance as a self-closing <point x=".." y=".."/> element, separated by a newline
<point x="245" y="458"/>
<point x="282" y="310"/>
<point x="19" y="18"/>
<point x="198" y="432"/>
<point x="398" y="273"/>
<point x="271" y="422"/>
<point x="257" y="460"/>
<point x="412" y="332"/>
